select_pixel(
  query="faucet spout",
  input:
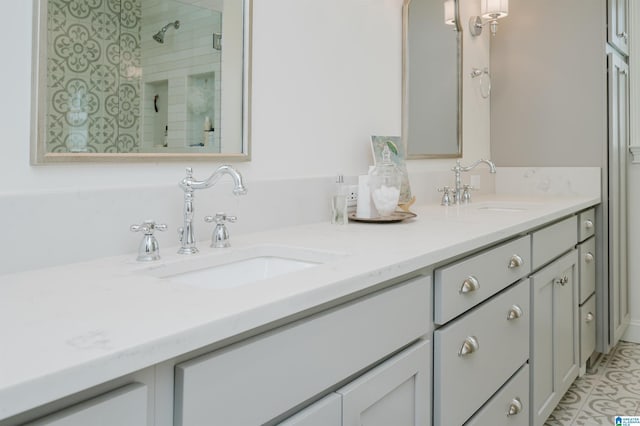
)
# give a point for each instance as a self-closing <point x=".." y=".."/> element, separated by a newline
<point x="491" y="164"/>
<point x="238" y="189"/>
<point x="189" y="185"/>
<point x="459" y="168"/>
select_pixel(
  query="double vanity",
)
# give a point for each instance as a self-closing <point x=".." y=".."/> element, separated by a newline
<point x="468" y="314"/>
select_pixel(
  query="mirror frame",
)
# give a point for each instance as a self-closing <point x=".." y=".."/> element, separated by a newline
<point x="405" y="83"/>
<point x="39" y="154"/>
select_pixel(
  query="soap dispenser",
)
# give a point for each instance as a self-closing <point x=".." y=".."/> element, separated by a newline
<point x="384" y="183"/>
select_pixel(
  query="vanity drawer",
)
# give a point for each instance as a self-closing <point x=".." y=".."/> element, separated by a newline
<point x="550" y="242"/>
<point x="587" y="254"/>
<point x="477" y="353"/>
<point x="587" y="329"/>
<point x="124" y="406"/>
<point x="301" y="360"/>
<point x="509" y="406"/>
<point x="586" y="224"/>
<point x="464" y="284"/>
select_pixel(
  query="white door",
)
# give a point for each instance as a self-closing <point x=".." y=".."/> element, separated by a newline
<point x="397" y="392"/>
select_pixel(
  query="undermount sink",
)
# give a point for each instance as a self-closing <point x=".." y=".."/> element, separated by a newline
<point x="241" y="267"/>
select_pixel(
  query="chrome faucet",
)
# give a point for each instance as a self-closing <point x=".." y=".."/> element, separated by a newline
<point x="459" y="189"/>
<point x="189" y="185"/>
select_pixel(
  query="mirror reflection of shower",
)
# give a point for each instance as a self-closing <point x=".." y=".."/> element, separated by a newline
<point x="159" y="36"/>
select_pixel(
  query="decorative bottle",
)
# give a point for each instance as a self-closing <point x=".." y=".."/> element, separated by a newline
<point x="384" y="183"/>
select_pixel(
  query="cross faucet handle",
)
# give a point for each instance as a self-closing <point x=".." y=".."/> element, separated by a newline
<point x="446" y="196"/>
<point x="149" y="249"/>
<point x="220" y="218"/>
<point x="466" y="193"/>
<point x="220" y="236"/>
<point x="148" y="227"/>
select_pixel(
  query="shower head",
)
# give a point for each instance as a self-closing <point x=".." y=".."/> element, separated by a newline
<point x="159" y="36"/>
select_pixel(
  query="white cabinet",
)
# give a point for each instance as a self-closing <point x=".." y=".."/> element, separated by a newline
<point x="587" y="329"/>
<point x="302" y="359"/>
<point x="619" y="313"/>
<point x="397" y="392"/>
<point x="553" y="240"/>
<point x="509" y="406"/>
<point x="587" y="257"/>
<point x="484" y="339"/>
<point x="326" y="412"/>
<point x="462" y="285"/>
<point x="126" y="406"/>
<point x="618" y="24"/>
<point x="477" y="353"/>
<point x="555" y="349"/>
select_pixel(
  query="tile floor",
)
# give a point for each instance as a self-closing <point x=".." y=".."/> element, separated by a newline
<point x="612" y="389"/>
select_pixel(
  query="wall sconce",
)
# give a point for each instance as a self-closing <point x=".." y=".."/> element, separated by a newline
<point x="449" y="12"/>
<point x="492" y="10"/>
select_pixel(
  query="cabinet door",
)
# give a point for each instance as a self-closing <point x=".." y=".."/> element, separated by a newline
<point x="397" y="392"/>
<point x="123" y="407"/>
<point x="617" y="20"/>
<point x="326" y="412"/>
<point x="304" y="358"/>
<point x="618" y="143"/>
<point x="555" y="332"/>
<point x="587" y="254"/>
<point x="587" y="329"/>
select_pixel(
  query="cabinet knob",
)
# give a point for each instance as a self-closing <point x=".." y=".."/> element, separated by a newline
<point x="562" y="281"/>
<point x="589" y="317"/>
<point x="515" y="262"/>
<point x="588" y="257"/>
<point x="514" y="313"/>
<point x="515" y="407"/>
<point x="588" y="224"/>
<point x="469" y="346"/>
<point x="470" y="284"/>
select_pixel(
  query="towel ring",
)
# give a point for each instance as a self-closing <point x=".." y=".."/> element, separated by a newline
<point x="485" y="81"/>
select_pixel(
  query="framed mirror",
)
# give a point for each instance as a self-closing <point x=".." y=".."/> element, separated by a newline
<point x="152" y="80"/>
<point x="432" y="79"/>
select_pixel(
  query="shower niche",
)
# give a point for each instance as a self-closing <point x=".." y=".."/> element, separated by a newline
<point x="181" y="69"/>
<point x="203" y="118"/>
<point x="183" y="113"/>
<point x="156" y="115"/>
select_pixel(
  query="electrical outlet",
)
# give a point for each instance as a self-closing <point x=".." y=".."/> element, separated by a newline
<point x="475" y="181"/>
<point x="352" y="196"/>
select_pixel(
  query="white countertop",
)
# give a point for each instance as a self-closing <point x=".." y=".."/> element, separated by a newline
<point x="67" y="328"/>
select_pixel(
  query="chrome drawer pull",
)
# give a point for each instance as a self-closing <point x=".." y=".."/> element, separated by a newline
<point x="469" y="346"/>
<point x="562" y="281"/>
<point x="588" y="224"/>
<point x="469" y="285"/>
<point x="589" y="317"/>
<point x="514" y="313"/>
<point x="588" y="257"/>
<point x="515" y="262"/>
<point x="515" y="407"/>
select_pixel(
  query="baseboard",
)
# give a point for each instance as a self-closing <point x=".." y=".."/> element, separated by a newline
<point x="633" y="332"/>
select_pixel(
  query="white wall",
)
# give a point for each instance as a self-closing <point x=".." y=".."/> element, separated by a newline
<point x="326" y="76"/>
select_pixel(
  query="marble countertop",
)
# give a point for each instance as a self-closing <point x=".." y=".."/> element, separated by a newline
<point x="67" y="328"/>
